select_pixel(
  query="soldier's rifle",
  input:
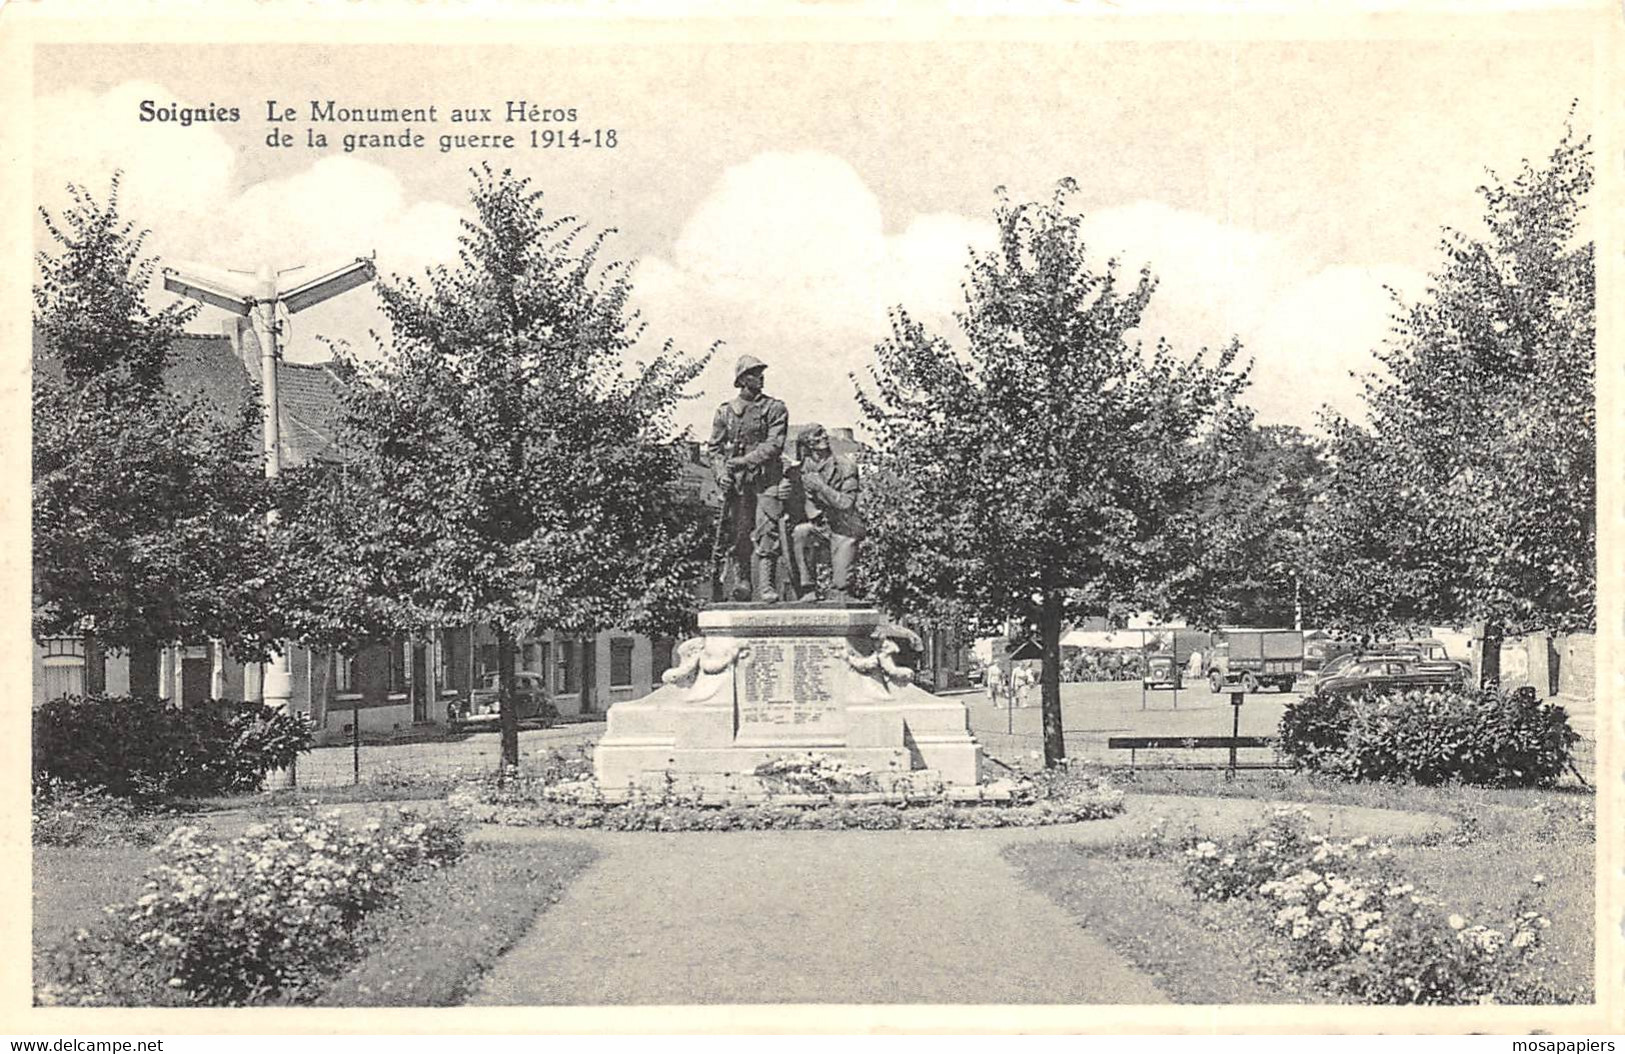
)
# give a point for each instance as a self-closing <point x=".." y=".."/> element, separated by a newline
<point x="720" y="542"/>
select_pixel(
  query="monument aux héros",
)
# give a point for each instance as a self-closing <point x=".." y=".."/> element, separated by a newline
<point x="771" y="677"/>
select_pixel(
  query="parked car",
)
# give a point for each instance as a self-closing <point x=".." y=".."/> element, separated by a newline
<point x="1426" y="648"/>
<point x="1318" y="651"/>
<point x="1162" y="671"/>
<point x="532" y="699"/>
<point x="1375" y="673"/>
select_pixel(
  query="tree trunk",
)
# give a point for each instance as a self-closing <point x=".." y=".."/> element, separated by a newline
<point x="1489" y="655"/>
<point x="507" y="711"/>
<point x="144" y="671"/>
<point x="1049" y="642"/>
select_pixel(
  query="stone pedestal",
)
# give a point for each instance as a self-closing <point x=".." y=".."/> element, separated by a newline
<point x="769" y="681"/>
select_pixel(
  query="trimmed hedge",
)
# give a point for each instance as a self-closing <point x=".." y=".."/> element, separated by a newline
<point x="1490" y="738"/>
<point x="151" y="750"/>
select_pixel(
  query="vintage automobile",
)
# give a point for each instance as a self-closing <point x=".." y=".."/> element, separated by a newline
<point x="1161" y="671"/>
<point x="1318" y="651"/>
<point x="531" y="696"/>
<point x="1370" y="674"/>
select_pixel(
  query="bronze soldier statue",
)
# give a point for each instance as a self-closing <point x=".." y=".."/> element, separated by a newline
<point x="747" y="450"/>
<point x="830" y="481"/>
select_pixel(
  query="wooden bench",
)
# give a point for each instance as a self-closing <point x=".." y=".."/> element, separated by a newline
<point x="1231" y="743"/>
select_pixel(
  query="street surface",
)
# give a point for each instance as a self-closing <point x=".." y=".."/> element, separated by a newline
<point x="1090" y="712"/>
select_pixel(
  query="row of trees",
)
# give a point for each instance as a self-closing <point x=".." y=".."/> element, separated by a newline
<point x="1049" y="469"/>
<point x="503" y="465"/>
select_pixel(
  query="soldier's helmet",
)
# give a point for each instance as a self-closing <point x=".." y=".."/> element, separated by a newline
<point x="745" y="364"/>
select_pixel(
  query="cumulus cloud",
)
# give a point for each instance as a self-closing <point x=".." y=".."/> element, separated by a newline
<point x="788" y="259"/>
<point x="183" y="184"/>
<point x="170" y="172"/>
<point x="1306" y="327"/>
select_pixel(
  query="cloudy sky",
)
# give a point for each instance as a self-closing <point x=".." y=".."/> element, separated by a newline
<point x="780" y="197"/>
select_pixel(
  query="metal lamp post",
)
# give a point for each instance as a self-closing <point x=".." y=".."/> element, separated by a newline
<point x="259" y="303"/>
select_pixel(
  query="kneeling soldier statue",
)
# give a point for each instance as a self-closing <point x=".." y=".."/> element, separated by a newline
<point x="831" y="484"/>
<point x="747" y="452"/>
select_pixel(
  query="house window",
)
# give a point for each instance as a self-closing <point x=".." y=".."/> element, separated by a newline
<point x="534" y="652"/>
<point x="64" y="667"/>
<point x="568" y="679"/>
<point x="620" y="662"/>
<point x="345" y="675"/>
<point x="660" y="661"/>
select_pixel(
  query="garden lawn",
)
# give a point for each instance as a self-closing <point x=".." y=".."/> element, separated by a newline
<point x="1195" y="952"/>
<point x="72" y="886"/>
<point x="432" y="946"/>
<point x="1202" y="952"/>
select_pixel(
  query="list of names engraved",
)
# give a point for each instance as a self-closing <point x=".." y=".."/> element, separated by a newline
<point x="790" y="685"/>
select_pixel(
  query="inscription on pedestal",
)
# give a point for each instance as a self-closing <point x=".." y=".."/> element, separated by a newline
<point x="787" y="688"/>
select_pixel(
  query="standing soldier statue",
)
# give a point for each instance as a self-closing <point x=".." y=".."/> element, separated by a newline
<point x="831" y="483"/>
<point x="747" y="450"/>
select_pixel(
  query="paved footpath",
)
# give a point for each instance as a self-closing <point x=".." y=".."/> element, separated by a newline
<point x="834" y="917"/>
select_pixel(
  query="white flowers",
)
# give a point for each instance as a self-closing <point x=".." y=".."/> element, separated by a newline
<point x="211" y="911"/>
<point x="1456" y="922"/>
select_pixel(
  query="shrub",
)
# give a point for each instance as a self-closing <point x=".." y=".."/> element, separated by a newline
<point x="1355" y="925"/>
<point x="1314" y="732"/>
<point x="262" y="918"/>
<point x="149" y="749"/>
<point x="1488" y="738"/>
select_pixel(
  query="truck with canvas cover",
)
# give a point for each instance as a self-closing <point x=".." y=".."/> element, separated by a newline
<point x="1255" y="658"/>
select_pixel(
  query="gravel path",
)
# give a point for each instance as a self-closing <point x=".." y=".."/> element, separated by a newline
<point x="841" y="917"/>
<point x="807" y="917"/>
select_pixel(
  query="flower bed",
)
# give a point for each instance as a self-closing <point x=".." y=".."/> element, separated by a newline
<point x="262" y="918"/>
<point x="1355" y="925"/>
<point x="1048" y="798"/>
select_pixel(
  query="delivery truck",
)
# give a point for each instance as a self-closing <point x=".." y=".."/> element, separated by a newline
<point x="1255" y="658"/>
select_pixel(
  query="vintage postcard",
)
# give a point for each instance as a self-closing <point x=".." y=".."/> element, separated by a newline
<point x="813" y="519"/>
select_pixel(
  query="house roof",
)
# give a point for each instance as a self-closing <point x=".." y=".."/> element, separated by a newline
<point x="213" y="369"/>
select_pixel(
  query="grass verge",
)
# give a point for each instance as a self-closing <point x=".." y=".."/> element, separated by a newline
<point x="1197" y="953"/>
<point x="1505" y="843"/>
<point x="468" y="914"/>
<point x="73" y="886"/>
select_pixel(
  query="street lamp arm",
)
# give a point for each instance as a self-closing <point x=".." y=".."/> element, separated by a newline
<point x="214" y="294"/>
<point x="309" y="294"/>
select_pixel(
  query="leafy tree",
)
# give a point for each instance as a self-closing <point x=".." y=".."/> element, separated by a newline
<point x="510" y="469"/>
<point x="1470" y="494"/>
<point x="1252" y="544"/>
<point x="148" y="510"/>
<point x="1048" y="469"/>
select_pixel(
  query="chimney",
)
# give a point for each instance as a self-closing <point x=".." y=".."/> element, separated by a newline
<point x="245" y="344"/>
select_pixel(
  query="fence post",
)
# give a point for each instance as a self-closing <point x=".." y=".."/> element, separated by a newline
<point x="1236" y="699"/>
<point x="355" y="741"/>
